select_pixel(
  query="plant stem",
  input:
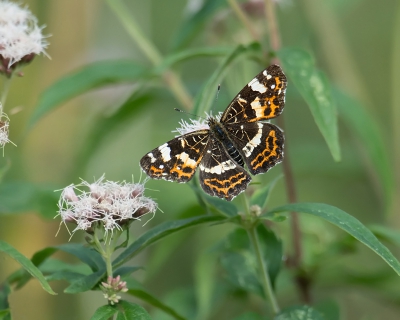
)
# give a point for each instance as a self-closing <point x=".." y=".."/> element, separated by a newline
<point x="263" y="269"/>
<point x="244" y="19"/>
<point x="302" y="283"/>
<point x="172" y="80"/>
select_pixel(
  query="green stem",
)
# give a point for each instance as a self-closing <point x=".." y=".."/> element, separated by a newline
<point x="172" y="80"/>
<point x="263" y="269"/>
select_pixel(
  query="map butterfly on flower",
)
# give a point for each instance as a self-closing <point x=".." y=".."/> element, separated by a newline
<point x="222" y="149"/>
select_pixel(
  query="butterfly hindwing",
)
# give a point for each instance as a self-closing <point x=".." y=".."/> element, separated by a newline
<point x="261" y="99"/>
<point x="259" y="143"/>
<point x="177" y="159"/>
<point x="220" y="175"/>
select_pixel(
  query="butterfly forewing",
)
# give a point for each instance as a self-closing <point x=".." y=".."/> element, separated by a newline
<point x="220" y="175"/>
<point x="260" y="144"/>
<point x="262" y="98"/>
<point x="177" y="159"/>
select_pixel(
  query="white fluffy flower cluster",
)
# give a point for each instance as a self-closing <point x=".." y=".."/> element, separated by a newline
<point x="111" y="204"/>
<point x="20" y="36"/>
<point x="195" y="125"/>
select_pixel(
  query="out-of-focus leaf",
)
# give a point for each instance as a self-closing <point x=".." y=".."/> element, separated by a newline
<point x="87" y="78"/>
<point x="386" y="233"/>
<point x="159" y="232"/>
<point x="195" y="23"/>
<point x="65" y="275"/>
<point x="26" y="264"/>
<point x="369" y="134"/>
<point x="18" y="197"/>
<point x="150" y="299"/>
<point x="191" y="53"/>
<point x="204" y="99"/>
<point x="5" y="314"/>
<point x="299" y="313"/>
<point x="316" y="91"/>
<point x="346" y="222"/>
<point x="329" y="309"/>
<point x="5" y="291"/>
<point x="86" y="283"/>
<point x="104" y="312"/>
<point x="126" y="270"/>
<point x="128" y="310"/>
<point x="249" y="316"/>
<point x="261" y="195"/>
<point x="239" y="260"/>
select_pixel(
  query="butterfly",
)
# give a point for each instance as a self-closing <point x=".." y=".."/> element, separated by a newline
<point x="240" y="137"/>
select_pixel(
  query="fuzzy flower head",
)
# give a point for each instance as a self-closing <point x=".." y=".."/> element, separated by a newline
<point x="194" y="125"/>
<point x="112" y="205"/>
<point x="4" y="129"/>
<point x="20" y="36"/>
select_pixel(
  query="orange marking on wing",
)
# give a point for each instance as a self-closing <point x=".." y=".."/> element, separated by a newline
<point x="209" y="183"/>
<point x="267" y="153"/>
<point x="155" y="171"/>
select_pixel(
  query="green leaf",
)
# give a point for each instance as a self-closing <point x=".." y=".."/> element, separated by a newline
<point x="87" y="255"/>
<point x="86" y="283"/>
<point x="370" y="135"/>
<point x="87" y="78"/>
<point x="104" y="313"/>
<point x="191" y="53"/>
<point x="261" y="195"/>
<point x="68" y="276"/>
<point x="239" y="261"/>
<point x="195" y="23"/>
<point x="5" y="314"/>
<point x="329" y="309"/>
<point x="26" y="264"/>
<point x="299" y="313"/>
<point x="150" y="299"/>
<point x="346" y="222"/>
<point x="206" y="95"/>
<point x="128" y="310"/>
<point x="228" y="209"/>
<point x="160" y="232"/>
<point x="249" y="316"/>
<point x="5" y="291"/>
<point x="126" y="270"/>
<point x="17" y="197"/>
<point x="316" y="91"/>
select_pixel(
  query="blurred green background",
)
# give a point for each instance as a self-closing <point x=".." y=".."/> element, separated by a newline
<point x="356" y="43"/>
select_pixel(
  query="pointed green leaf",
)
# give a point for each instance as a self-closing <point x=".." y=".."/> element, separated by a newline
<point x="26" y="264"/>
<point x="87" y="78"/>
<point x="346" y="222"/>
<point x="160" y="232"/>
<point x="128" y="311"/>
<point x="104" y="313"/>
<point x="316" y="91"/>
<point x="228" y="209"/>
<point x="86" y="283"/>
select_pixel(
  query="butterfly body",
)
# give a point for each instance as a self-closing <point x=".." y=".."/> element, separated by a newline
<point x="240" y="137"/>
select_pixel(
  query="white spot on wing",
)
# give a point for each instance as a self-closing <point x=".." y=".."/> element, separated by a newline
<point x="255" y="85"/>
<point x="256" y="106"/>
<point x="184" y="157"/>
<point x="151" y="156"/>
<point x="220" y="168"/>
<point x="249" y="147"/>
<point x="165" y="152"/>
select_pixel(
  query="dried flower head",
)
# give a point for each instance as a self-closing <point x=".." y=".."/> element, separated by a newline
<point x="112" y="287"/>
<point x="109" y="204"/>
<point x="20" y="36"/>
<point x="4" y="129"/>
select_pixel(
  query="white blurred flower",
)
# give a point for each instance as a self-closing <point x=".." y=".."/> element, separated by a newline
<point x="112" y="204"/>
<point x="20" y="36"/>
<point x="4" y="129"/>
